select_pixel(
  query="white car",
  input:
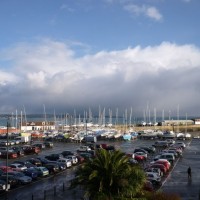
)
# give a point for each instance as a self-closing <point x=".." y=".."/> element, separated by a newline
<point x="154" y="178"/>
<point x="18" y="167"/>
<point x="66" y="161"/>
<point x="73" y="159"/>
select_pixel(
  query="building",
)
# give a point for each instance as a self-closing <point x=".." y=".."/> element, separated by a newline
<point x="38" y="126"/>
<point x="178" y="122"/>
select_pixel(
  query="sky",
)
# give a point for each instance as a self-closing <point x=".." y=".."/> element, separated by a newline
<point x="68" y="55"/>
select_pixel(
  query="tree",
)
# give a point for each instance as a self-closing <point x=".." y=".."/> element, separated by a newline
<point x="109" y="176"/>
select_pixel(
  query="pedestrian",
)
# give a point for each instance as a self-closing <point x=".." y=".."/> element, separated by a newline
<point x="189" y="171"/>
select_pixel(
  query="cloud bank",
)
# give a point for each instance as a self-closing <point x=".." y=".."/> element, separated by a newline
<point x="50" y="73"/>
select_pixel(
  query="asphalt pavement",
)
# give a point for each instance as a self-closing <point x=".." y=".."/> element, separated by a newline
<point x="177" y="182"/>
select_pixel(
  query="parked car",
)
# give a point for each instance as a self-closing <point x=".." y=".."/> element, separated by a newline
<point x="148" y="186"/>
<point x="141" y="154"/>
<point x="66" y="161"/>
<point x="3" y="185"/>
<point x="43" y="160"/>
<point x="24" y="163"/>
<point x="62" y="166"/>
<point x="28" y="149"/>
<point x="35" y="161"/>
<point x="22" y="179"/>
<point x="11" y="181"/>
<point x="140" y="150"/>
<point x="5" y="168"/>
<point x="67" y="153"/>
<point x="32" y="172"/>
<point x="11" y="154"/>
<point x="48" y="144"/>
<point x="155" y="170"/>
<point x="18" y="150"/>
<point x="169" y="156"/>
<point x="84" y="149"/>
<point x="52" y="167"/>
<point x="149" y="149"/>
<point x="73" y="159"/>
<point x="17" y="167"/>
<point x="39" y="145"/>
<point x="54" y="157"/>
<point x="160" y="166"/>
<point x="154" y="178"/>
<point x="42" y="171"/>
<point x="165" y="162"/>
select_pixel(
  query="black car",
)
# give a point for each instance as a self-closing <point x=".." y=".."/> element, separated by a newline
<point x="52" y="167"/>
<point x="12" y="181"/>
<point x="35" y="161"/>
<point x="40" y="145"/>
<point x="54" y="157"/>
<point x="67" y="153"/>
<point x="43" y="160"/>
<point x="32" y="172"/>
<point x="62" y="166"/>
<point x="18" y="150"/>
<point x="149" y="149"/>
<point x="48" y="144"/>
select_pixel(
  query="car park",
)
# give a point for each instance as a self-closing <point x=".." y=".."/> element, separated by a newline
<point x="20" y="177"/>
<point x="8" y="154"/>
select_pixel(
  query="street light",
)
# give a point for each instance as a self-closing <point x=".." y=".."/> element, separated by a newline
<point x="8" y="125"/>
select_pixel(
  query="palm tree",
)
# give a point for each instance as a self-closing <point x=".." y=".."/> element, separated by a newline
<point x="109" y="176"/>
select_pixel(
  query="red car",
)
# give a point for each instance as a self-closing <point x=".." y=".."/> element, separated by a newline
<point x="31" y="149"/>
<point x="140" y="157"/>
<point x="164" y="162"/>
<point x="161" y="166"/>
<point x="11" y="155"/>
<point x="6" y="169"/>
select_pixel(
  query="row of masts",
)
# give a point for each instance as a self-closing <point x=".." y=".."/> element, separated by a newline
<point x="87" y="117"/>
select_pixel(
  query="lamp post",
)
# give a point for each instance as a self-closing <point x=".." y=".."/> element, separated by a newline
<point x="8" y="125"/>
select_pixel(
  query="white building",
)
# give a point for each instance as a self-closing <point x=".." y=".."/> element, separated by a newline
<point x="37" y="126"/>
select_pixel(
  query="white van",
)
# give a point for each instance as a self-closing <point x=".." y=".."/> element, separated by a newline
<point x="168" y="156"/>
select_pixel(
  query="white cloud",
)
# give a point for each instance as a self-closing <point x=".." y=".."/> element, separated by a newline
<point x="149" y="11"/>
<point x="49" y="72"/>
